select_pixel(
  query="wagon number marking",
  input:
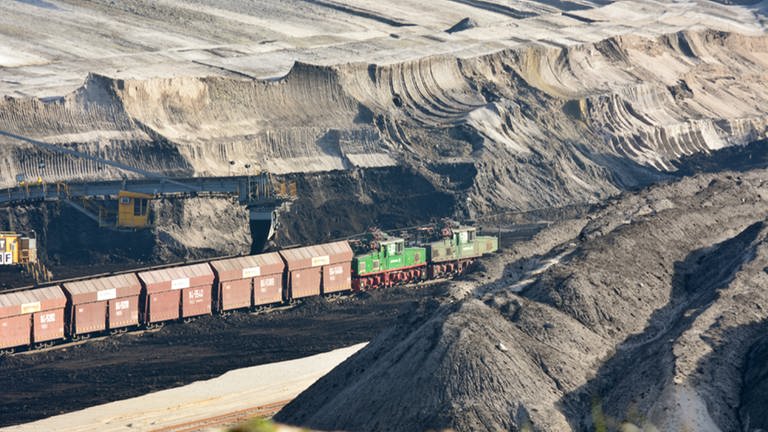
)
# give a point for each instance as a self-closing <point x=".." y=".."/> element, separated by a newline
<point x="47" y="318"/>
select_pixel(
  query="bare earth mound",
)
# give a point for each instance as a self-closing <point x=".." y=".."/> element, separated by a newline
<point x="644" y="316"/>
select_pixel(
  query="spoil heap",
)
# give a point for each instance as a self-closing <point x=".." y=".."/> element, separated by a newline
<point x="643" y="313"/>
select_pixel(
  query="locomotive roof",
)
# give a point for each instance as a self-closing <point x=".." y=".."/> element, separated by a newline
<point x="389" y="240"/>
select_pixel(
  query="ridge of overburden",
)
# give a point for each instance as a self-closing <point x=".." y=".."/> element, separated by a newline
<point x="645" y="317"/>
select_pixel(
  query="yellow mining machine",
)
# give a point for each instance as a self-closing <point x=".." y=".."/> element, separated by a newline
<point x="21" y="251"/>
<point x="125" y="204"/>
<point x="17" y="249"/>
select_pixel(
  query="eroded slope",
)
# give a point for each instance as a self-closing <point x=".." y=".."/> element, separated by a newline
<point x="536" y="108"/>
<point x="644" y="314"/>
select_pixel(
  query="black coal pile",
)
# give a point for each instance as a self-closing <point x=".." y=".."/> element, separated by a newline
<point x="643" y="318"/>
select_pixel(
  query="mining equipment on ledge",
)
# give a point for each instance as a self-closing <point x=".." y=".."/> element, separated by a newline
<point x="126" y="204"/>
<point x="19" y="250"/>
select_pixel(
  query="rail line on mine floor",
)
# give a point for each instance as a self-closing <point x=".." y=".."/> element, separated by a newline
<point x="276" y="308"/>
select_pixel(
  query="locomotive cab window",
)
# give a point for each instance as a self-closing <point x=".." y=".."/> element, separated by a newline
<point x="392" y="249"/>
<point x="400" y="247"/>
<point x="471" y="235"/>
<point x="463" y="237"/>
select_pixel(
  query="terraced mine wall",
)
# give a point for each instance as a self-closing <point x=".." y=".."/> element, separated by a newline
<point x="527" y="128"/>
<point x="333" y="205"/>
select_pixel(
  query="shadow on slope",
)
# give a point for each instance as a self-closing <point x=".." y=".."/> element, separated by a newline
<point x="627" y="386"/>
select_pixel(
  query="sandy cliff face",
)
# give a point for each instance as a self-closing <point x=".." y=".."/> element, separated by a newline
<point x="521" y="128"/>
<point x="528" y="106"/>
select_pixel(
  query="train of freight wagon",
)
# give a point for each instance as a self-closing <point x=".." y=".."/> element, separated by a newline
<point x="71" y="310"/>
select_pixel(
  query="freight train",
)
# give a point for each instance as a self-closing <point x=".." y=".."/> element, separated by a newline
<point x="71" y="310"/>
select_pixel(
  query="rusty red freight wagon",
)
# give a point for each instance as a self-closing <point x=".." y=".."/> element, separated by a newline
<point x="177" y="292"/>
<point x="325" y="268"/>
<point x="32" y="317"/>
<point x="106" y="303"/>
<point x="249" y="281"/>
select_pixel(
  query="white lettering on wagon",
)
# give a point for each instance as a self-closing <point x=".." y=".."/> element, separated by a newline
<point x="251" y="272"/>
<point x="180" y="283"/>
<point x="30" y="307"/>
<point x="107" y="294"/>
<point x="321" y="261"/>
<point x="265" y="283"/>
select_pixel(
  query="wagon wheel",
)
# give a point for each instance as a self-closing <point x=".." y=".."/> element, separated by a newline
<point x="153" y="326"/>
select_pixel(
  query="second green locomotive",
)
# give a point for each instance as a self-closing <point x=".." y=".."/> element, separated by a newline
<point x="382" y="260"/>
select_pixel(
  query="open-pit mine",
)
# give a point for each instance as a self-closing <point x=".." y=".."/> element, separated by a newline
<point x="540" y="214"/>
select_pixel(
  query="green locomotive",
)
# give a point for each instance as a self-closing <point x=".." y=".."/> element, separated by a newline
<point x="382" y="260"/>
<point x="457" y="250"/>
<point x="386" y="261"/>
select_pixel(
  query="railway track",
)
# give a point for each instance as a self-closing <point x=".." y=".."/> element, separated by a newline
<point x="71" y="344"/>
<point x="227" y="419"/>
<point x="265" y="310"/>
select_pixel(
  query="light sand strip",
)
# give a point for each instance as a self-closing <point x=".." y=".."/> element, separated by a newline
<point x="235" y="390"/>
